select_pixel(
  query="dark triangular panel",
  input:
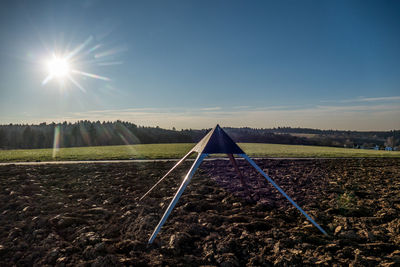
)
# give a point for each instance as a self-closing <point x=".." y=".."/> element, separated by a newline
<point x="217" y="141"/>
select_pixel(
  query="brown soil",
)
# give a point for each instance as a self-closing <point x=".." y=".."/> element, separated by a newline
<point x="89" y="214"/>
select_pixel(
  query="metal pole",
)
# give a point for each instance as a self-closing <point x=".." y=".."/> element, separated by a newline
<point x="282" y="192"/>
<point x="178" y="194"/>
<point x="236" y="167"/>
<point x="159" y="181"/>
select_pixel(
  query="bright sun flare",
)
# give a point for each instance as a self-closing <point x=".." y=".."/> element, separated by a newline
<point x="58" y="67"/>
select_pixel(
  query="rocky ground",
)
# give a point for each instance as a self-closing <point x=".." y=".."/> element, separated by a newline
<point x="90" y="214"/>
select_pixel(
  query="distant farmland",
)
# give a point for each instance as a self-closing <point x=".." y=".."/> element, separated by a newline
<point x="171" y="151"/>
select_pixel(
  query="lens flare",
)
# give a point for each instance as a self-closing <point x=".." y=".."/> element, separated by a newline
<point x="63" y="66"/>
<point x="56" y="141"/>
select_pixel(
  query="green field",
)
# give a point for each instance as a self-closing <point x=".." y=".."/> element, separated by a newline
<point x="160" y="151"/>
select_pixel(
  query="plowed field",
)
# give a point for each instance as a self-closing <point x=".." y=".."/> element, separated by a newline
<point x="90" y="214"/>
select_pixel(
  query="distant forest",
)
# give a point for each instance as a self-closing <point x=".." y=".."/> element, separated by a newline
<point x="87" y="133"/>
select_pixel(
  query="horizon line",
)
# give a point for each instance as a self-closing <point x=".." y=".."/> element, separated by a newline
<point x="60" y="122"/>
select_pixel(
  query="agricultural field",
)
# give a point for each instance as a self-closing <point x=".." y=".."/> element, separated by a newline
<point x="173" y="151"/>
<point x="90" y="214"/>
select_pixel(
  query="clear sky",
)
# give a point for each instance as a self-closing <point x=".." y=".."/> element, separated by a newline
<point x="192" y="64"/>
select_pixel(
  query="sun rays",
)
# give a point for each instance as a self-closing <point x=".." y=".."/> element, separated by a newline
<point x="71" y="66"/>
<point x="84" y="133"/>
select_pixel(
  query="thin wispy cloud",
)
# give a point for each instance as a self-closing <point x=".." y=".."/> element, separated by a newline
<point x="358" y="108"/>
<point x="211" y="108"/>
<point x="283" y="107"/>
<point x="118" y="110"/>
<point x="372" y="99"/>
<point x="241" y="107"/>
<point x="365" y="99"/>
<point x="344" y="117"/>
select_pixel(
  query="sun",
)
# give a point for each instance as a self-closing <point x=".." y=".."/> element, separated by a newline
<point x="58" y="67"/>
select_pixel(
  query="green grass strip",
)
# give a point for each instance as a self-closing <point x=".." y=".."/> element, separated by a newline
<point x="161" y="151"/>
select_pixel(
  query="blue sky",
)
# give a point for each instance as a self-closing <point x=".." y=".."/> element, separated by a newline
<point x="192" y="64"/>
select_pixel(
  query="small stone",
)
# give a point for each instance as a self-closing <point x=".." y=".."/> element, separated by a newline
<point x="387" y="264"/>
<point x="61" y="260"/>
<point x="372" y="258"/>
<point x="237" y="205"/>
<point x="338" y="229"/>
<point x="99" y="210"/>
<point x="276" y="247"/>
<point x="2" y="250"/>
<point x="177" y="241"/>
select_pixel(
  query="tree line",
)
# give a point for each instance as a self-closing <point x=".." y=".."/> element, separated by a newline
<point x="87" y="133"/>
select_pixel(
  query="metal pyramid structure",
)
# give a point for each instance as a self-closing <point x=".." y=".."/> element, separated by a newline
<point x="216" y="142"/>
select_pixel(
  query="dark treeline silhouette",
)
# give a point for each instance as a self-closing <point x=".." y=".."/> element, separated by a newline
<point x="87" y="133"/>
<point x="305" y="136"/>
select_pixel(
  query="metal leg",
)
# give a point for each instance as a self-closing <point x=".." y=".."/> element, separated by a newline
<point x="236" y="167"/>
<point x="282" y="192"/>
<point x="159" y="181"/>
<point x="178" y="194"/>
